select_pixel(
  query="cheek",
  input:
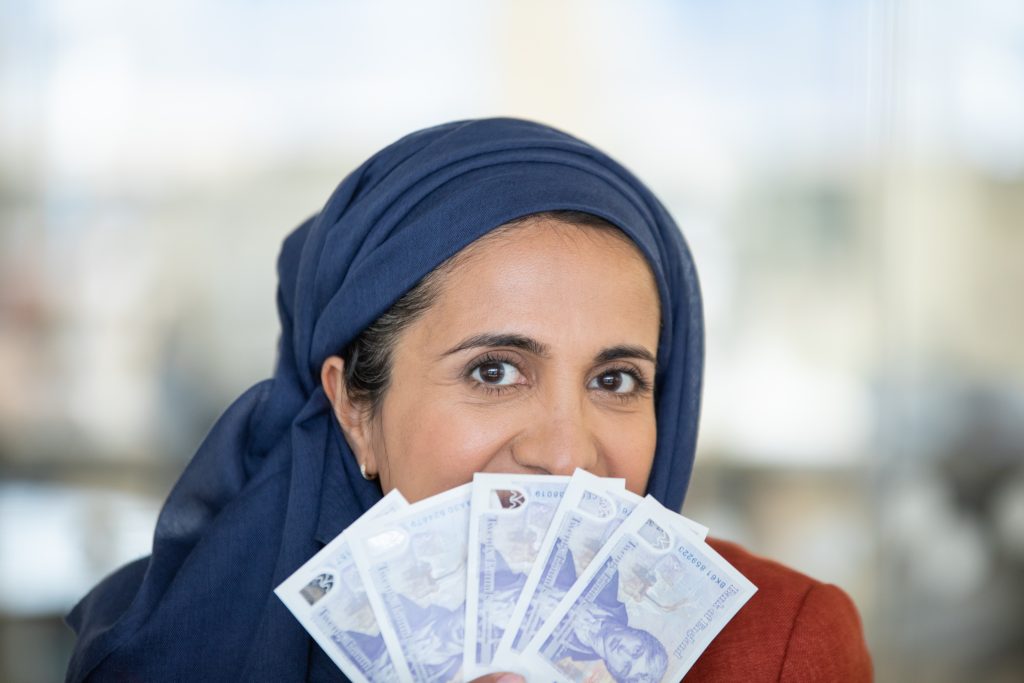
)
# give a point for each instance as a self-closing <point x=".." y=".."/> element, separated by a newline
<point x="630" y="451"/>
<point x="617" y="662"/>
<point x="432" y="446"/>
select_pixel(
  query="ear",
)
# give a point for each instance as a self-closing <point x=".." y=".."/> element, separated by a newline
<point x="353" y="417"/>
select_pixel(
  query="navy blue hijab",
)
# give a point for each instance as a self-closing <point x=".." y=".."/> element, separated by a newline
<point x="275" y="480"/>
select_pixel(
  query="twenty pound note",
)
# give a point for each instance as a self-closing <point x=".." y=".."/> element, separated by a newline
<point x="645" y="608"/>
<point x="413" y="563"/>
<point x="592" y="508"/>
<point x="327" y="596"/>
<point x="509" y="518"/>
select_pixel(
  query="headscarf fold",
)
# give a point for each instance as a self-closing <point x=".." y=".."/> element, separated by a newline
<point x="275" y="480"/>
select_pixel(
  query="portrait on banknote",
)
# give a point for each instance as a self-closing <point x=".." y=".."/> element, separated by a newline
<point x="601" y="630"/>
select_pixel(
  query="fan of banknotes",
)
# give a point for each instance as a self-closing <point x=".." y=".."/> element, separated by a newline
<point x="556" y="578"/>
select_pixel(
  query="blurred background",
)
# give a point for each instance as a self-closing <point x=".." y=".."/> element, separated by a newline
<point x="849" y="174"/>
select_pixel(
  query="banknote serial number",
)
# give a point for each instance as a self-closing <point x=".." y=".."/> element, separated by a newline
<point x="701" y="565"/>
<point x="693" y="559"/>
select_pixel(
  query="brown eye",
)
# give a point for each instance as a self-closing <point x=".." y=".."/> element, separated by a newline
<point x="615" y="381"/>
<point x="495" y="373"/>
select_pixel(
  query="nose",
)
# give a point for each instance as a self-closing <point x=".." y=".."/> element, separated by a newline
<point x="559" y="439"/>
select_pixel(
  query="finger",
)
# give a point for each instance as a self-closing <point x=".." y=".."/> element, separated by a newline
<point x="500" y="677"/>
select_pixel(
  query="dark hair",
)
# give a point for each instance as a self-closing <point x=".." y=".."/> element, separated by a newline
<point x="368" y="357"/>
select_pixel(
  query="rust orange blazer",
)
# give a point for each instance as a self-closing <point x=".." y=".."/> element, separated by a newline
<point x="794" y="629"/>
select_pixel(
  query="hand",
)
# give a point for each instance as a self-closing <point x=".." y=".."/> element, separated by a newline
<point x="501" y="677"/>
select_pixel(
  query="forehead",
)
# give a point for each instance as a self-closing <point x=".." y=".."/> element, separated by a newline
<point x="542" y="227"/>
<point x="547" y="274"/>
<point x="545" y="240"/>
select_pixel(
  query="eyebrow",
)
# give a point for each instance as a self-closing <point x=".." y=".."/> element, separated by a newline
<point x="625" y="351"/>
<point x="518" y="341"/>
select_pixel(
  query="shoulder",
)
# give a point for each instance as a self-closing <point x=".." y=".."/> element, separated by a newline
<point x="148" y="620"/>
<point x="794" y="629"/>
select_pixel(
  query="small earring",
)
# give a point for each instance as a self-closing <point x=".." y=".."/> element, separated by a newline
<point x="362" y="471"/>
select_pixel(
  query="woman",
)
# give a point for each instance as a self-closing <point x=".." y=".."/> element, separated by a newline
<point x="483" y="295"/>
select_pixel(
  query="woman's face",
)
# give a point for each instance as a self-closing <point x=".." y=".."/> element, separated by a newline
<point x="538" y="356"/>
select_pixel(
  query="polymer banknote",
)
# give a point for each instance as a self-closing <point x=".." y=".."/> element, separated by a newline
<point x="646" y="606"/>
<point x="327" y="596"/>
<point x="509" y="518"/>
<point x="591" y="509"/>
<point x="557" y="578"/>
<point x="413" y="564"/>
